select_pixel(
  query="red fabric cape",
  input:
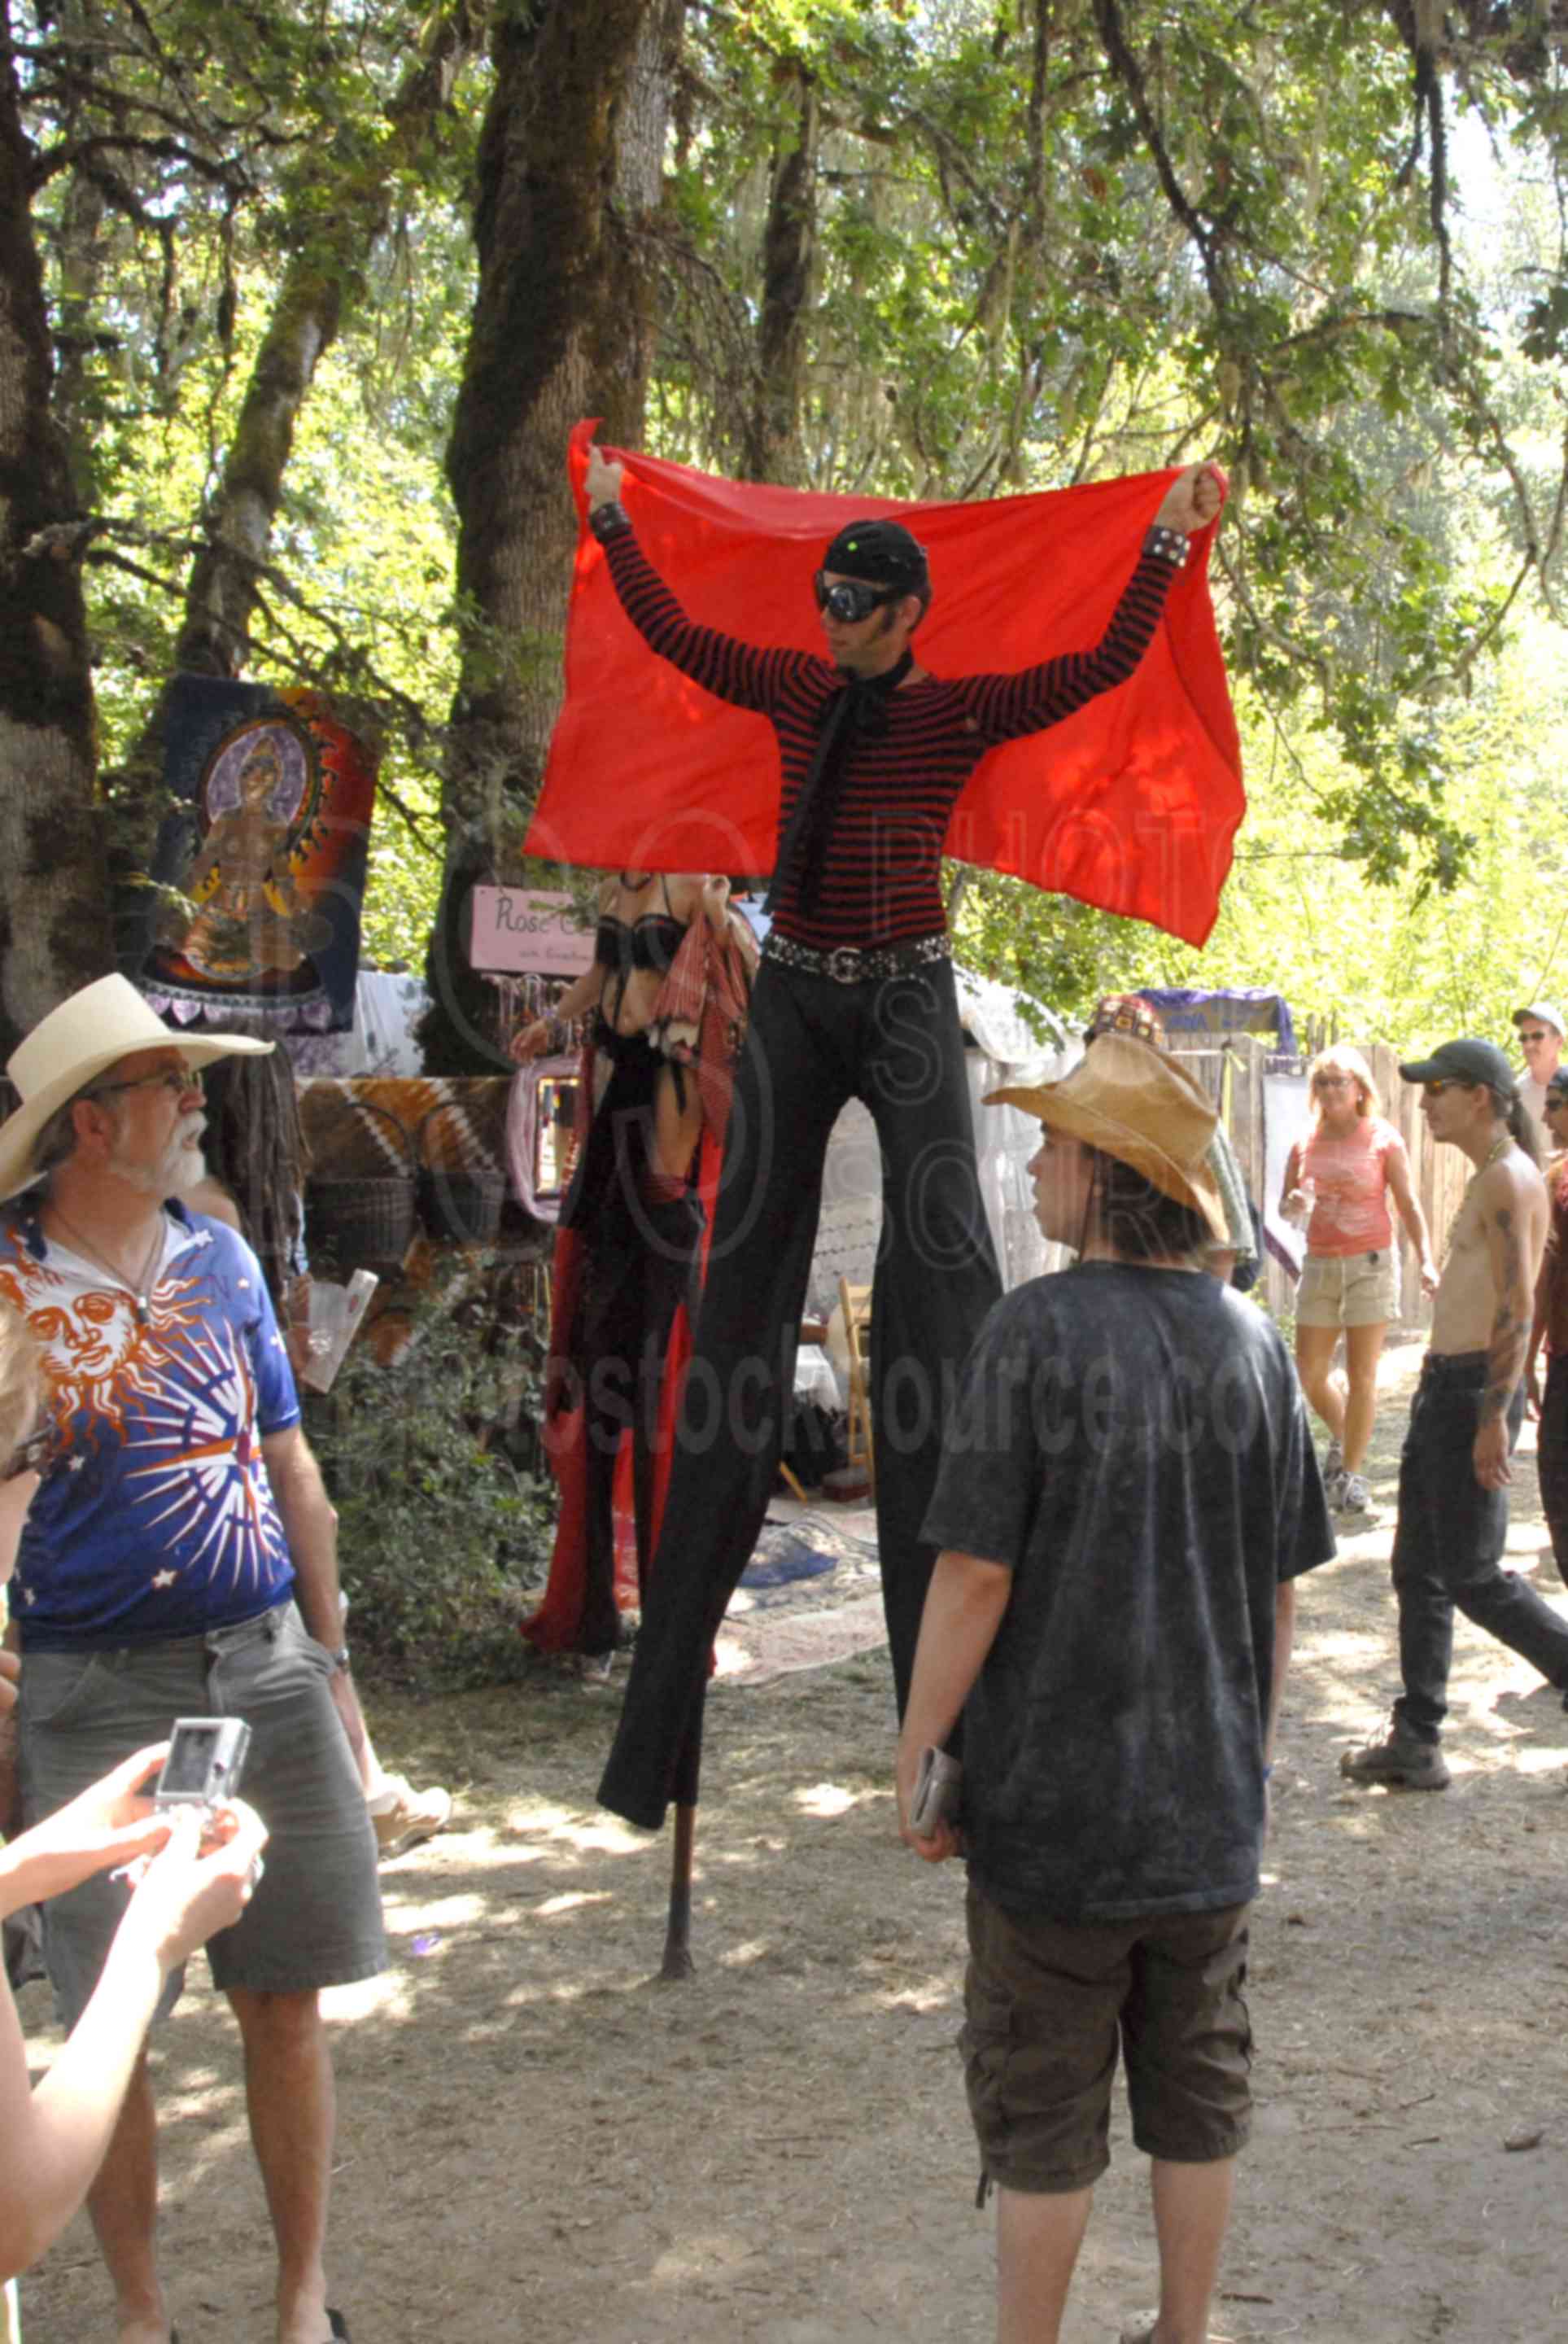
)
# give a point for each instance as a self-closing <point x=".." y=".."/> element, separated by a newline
<point x="1132" y="804"/>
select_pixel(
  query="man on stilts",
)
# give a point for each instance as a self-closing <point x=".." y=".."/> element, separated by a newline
<point x="855" y="997"/>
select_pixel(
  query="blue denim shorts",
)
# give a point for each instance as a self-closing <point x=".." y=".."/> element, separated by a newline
<point x="315" y="1917"/>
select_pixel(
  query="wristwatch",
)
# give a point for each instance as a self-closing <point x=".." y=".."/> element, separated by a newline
<point x="340" y="1657"/>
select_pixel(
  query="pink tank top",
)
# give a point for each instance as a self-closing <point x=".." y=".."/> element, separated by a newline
<point x="1351" y="1214"/>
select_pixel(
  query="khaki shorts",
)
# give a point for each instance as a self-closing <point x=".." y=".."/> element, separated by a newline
<point x="315" y="1917"/>
<point x="1047" y="2002"/>
<point x="1348" y="1289"/>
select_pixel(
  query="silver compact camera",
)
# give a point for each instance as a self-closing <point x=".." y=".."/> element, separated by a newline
<point x="207" y="1758"/>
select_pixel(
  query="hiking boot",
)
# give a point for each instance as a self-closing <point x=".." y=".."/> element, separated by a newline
<point x="1333" y="1461"/>
<point x="1334" y="1486"/>
<point x="1353" y="1497"/>
<point x="1400" y="1761"/>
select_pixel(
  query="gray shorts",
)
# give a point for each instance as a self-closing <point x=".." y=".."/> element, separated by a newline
<point x="315" y="1917"/>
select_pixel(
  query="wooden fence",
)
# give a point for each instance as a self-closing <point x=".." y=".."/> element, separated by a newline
<point x="1230" y="1068"/>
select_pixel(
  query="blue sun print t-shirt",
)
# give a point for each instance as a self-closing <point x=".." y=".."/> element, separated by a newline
<point x="153" y="1517"/>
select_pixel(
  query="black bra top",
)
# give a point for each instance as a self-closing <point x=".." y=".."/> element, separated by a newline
<point x="651" y="941"/>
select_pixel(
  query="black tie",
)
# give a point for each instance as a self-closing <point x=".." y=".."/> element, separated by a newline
<point x="860" y="708"/>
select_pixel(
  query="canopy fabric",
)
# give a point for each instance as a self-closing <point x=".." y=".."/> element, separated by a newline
<point x="1237" y="1008"/>
<point x="1132" y="804"/>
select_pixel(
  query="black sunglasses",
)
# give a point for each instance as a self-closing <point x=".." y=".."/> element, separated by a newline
<point x="850" y="600"/>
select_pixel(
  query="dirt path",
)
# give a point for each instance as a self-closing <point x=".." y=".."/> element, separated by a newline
<point x="537" y="2143"/>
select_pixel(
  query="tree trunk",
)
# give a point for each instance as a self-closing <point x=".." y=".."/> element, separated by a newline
<point x="55" y="925"/>
<point x="346" y="196"/>
<point x="570" y="168"/>
<point x="78" y="253"/>
<point x="776" y="447"/>
<point x="348" y="203"/>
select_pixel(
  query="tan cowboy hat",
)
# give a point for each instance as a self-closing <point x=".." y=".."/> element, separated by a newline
<point x="1135" y="1104"/>
<point x="83" y="1037"/>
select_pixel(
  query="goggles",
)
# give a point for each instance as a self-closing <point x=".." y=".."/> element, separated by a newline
<point x="850" y="600"/>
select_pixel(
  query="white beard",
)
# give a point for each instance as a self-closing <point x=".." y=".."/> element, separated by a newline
<point x="178" y="1169"/>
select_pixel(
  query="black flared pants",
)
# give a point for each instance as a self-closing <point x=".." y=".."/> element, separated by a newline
<point x="811" y="1045"/>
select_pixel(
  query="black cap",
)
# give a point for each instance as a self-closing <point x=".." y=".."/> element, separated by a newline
<point x="883" y="553"/>
<point x="1466" y="1061"/>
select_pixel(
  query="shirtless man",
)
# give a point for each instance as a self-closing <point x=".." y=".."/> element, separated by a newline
<point x="1455" y="1470"/>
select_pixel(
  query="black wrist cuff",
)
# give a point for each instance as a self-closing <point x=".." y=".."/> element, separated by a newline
<point x="609" y="521"/>
<point x="1166" y="545"/>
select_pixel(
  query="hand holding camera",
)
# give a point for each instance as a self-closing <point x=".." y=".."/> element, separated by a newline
<point x="199" y="1882"/>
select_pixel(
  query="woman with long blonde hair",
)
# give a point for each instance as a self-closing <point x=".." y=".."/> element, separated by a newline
<point x="1338" y="1184"/>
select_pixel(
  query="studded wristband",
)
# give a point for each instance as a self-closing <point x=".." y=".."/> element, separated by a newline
<point x="609" y="521"/>
<point x="1166" y="545"/>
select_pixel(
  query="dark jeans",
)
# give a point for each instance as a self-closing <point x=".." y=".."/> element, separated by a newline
<point x="811" y="1045"/>
<point x="1448" y="1545"/>
<point x="1552" y="1458"/>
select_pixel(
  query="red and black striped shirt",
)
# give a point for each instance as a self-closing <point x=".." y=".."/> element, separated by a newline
<point x="882" y="880"/>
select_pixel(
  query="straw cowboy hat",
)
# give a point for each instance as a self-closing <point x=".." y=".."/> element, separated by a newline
<point x="84" y="1038"/>
<point x="1133" y="1103"/>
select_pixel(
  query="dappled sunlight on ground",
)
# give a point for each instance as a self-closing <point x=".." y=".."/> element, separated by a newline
<point x="827" y="1799"/>
<point x="594" y="1832"/>
<point x="538" y="2139"/>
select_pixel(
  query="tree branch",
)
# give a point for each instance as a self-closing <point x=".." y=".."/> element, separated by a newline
<point x="84" y="153"/>
<point x="1127" y="71"/>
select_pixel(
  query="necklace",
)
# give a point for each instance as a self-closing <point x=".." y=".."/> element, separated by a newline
<point x="1494" y="1155"/>
<point x="139" y="1289"/>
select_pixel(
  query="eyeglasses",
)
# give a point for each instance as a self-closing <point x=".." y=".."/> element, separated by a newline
<point x="1441" y="1083"/>
<point x="28" y="1455"/>
<point x="1537" y="1036"/>
<point x="176" y="1080"/>
<point x="850" y="600"/>
<point x="1334" y="1082"/>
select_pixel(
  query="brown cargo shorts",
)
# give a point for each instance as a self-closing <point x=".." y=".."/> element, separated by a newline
<point x="1047" y="2003"/>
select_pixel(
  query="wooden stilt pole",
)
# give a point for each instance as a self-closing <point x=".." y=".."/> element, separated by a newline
<point x="678" y="1963"/>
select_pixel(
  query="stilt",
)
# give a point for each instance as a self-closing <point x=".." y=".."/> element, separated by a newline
<point x="677" y="1961"/>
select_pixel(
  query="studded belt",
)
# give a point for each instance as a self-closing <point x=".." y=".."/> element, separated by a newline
<point x="847" y="966"/>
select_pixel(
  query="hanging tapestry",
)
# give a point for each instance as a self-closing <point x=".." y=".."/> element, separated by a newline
<point x="265" y="848"/>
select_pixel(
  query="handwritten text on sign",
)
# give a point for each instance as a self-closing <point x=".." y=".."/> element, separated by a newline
<point x="528" y="931"/>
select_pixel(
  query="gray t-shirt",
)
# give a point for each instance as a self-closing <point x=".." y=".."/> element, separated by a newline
<point x="1133" y="1443"/>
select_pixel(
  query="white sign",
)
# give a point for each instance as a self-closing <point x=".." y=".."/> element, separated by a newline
<point x="526" y="932"/>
